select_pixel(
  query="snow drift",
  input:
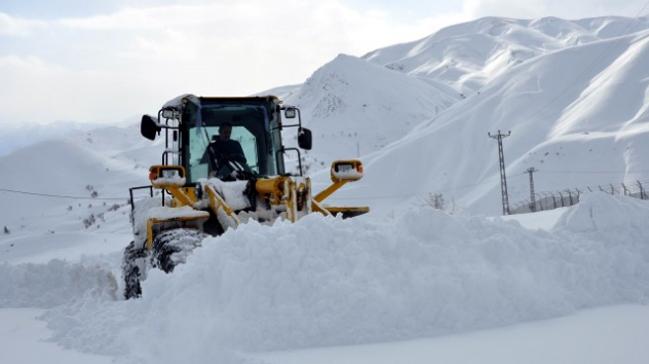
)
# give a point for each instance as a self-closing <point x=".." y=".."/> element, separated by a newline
<point x="55" y="283"/>
<point x="325" y="281"/>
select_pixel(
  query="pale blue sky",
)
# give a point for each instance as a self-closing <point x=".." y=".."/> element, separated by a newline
<point x="102" y="61"/>
<point x="48" y="9"/>
<point x="65" y="8"/>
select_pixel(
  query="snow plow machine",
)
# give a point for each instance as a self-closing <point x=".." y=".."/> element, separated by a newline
<point x="223" y="163"/>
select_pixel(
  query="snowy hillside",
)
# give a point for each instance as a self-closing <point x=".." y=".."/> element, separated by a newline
<point x="83" y="180"/>
<point x="17" y="136"/>
<point x="470" y="55"/>
<point x="354" y="107"/>
<point x="578" y="114"/>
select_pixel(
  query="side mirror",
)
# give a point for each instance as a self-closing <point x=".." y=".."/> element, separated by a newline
<point x="290" y="113"/>
<point x="149" y="127"/>
<point x="346" y="171"/>
<point x="304" y="139"/>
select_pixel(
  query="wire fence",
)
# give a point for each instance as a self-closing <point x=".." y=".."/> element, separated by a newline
<point x="568" y="197"/>
<point x="61" y="196"/>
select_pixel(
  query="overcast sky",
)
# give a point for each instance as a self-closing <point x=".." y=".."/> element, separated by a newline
<point x="105" y="61"/>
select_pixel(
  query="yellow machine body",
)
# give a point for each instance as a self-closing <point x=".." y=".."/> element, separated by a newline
<point x="280" y="191"/>
<point x="197" y="190"/>
<point x="195" y="202"/>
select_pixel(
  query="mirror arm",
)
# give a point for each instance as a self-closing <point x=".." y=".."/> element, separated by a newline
<point x="166" y="124"/>
<point x="299" y="157"/>
<point x="299" y="120"/>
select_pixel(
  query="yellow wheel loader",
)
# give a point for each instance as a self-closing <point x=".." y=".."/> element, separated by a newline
<point x="223" y="163"/>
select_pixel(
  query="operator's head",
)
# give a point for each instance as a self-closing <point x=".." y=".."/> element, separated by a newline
<point x="225" y="130"/>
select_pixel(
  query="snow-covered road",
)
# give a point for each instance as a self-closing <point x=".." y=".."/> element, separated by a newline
<point x="607" y="335"/>
<point x="616" y="334"/>
<point x="24" y="339"/>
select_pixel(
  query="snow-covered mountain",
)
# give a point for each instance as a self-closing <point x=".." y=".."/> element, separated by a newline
<point x="573" y="93"/>
<point x="354" y="107"/>
<point x="81" y="181"/>
<point x="468" y="56"/>
<point x="18" y="136"/>
<point x="577" y="113"/>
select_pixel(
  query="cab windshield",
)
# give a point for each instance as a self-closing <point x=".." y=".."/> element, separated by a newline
<point x="199" y="156"/>
<point x="239" y="133"/>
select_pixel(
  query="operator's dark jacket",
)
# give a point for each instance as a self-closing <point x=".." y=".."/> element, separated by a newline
<point x="224" y="150"/>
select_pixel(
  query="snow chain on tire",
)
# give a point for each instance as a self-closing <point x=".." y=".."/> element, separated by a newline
<point x="170" y="248"/>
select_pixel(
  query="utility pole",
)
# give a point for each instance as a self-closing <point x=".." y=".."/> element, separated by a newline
<point x="642" y="193"/>
<point x="503" y="179"/>
<point x="531" y="171"/>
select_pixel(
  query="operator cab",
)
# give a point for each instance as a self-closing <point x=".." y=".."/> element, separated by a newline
<point x="225" y="137"/>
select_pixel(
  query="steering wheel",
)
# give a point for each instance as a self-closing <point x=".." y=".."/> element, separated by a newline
<point x="233" y="167"/>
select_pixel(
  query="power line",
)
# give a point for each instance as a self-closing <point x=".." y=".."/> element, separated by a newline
<point x="381" y="196"/>
<point x="69" y="197"/>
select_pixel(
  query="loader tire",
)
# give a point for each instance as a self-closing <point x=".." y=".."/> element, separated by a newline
<point x="133" y="265"/>
<point x="172" y="247"/>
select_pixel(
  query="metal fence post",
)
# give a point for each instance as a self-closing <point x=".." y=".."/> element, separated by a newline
<point x="626" y="191"/>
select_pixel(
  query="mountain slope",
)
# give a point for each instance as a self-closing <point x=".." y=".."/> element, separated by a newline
<point x="468" y="56"/>
<point x="355" y="107"/>
<point x="578" y="114"/>
<point x="102" y="163"/>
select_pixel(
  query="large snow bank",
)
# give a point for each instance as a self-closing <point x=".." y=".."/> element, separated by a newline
<point x="54" y="283"/>
<point x="325" y="281"/>
<point x="600" y="213"/>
